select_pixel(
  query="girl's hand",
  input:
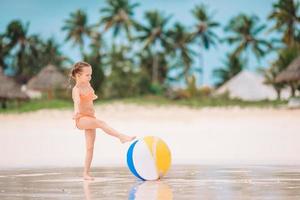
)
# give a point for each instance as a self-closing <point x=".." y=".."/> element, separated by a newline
<point x="75" y="115"/>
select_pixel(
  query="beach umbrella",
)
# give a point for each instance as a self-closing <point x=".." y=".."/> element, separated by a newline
<point x="9" y="89"/>
<point x="48" y="79"/>
<point x="291" y="73"/>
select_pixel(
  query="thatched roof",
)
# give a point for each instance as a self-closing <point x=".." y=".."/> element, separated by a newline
<point x="48" y="78"/>
<point x="249" y="86"/>
<point x="9" y="89"/>
<point x="291" y="73"/>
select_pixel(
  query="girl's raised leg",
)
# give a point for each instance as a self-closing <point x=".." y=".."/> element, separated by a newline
<point x="92" y="123"/>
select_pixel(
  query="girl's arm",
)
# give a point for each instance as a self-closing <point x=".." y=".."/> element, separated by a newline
<point x="76" y="100"/>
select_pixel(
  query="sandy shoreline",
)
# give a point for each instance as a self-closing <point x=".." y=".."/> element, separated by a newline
<point x="195" y="136"/>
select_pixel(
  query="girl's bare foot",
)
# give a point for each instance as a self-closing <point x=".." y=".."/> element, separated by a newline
<point x="88" y="177"/>
<point x="125" y="138"/>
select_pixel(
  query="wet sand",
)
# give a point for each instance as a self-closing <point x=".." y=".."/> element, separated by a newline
<point x="182" y="182"/>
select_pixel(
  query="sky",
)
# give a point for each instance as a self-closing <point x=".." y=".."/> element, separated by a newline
<point x="47" y="17"/>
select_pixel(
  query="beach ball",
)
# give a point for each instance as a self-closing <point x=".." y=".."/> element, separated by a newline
<point x="149" y="158"/>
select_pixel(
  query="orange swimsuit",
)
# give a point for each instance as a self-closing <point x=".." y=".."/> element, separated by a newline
<point x="86" y="107"/>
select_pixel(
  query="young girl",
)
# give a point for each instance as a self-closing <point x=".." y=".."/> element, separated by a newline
<point x="84" y="114"/>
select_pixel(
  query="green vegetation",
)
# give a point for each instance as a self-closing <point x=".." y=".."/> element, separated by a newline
<point x="35" y="105"/>
<point x="200" y="103"/>
<point x="142" y="55"/>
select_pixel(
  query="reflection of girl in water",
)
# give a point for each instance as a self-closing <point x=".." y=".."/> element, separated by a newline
<point x="84" y="114"/>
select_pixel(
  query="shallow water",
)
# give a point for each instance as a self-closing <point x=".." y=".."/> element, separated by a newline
<point x="182" y="182"/>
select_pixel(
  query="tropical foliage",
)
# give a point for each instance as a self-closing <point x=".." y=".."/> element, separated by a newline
<point x="151" y="55"/>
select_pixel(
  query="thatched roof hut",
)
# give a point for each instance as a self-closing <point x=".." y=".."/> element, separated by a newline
<point x="9" y="89"/>
<point x="291" y="73"/>
<point x="249" y="86"/>
<point x="48" y="79"/>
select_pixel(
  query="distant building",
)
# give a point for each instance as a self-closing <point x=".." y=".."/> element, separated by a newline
<point x="47" y="80"/>
<point x="249" y="86"/>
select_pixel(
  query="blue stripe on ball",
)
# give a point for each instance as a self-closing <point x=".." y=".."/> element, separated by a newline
<point x="130" y="160"/>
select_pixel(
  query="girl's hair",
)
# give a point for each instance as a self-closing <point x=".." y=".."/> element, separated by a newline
<point x="77" y="68"/>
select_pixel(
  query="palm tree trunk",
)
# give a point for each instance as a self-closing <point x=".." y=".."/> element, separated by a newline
<point x="82" y="51"/>
<point x="21" y="55"/>
<point x="293" y="89"/>
<point x="50" y="94"/>
<point x="278" y="92"/>
<point x="155" y="69"/>
<point x="290" y="35"/>
<point x="201" y="63"/>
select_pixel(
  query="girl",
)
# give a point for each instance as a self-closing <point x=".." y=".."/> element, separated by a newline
<point x="84" y="114"/>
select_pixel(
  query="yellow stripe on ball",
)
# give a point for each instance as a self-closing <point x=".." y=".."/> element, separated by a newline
<point x="163" y="157"/>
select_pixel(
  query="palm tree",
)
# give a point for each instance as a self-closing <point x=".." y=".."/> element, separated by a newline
<point x="245" y="32"/>
<point x="4" y="51"/>
<point x="180" y="48"/>
<point x="232" y="66"/>
<point x="51" y="53"/>
<point x="118" y="15"/>
<point x="286" y="16"/>
<point x="77" y="28"/>
<point x="154" y="37"/>
<point x="270" y="76"/>
<point x="29" y="53"/>
<point x="39" y="53"/>
<point x="25" y="48"/>
<point x="146" y="60"/>
<point x="16" y="33"/>
<point x="121" y="80"/>
<point x="95" y="58"/>
<point x="32" y="56"/>
<point x="204" y="30"/>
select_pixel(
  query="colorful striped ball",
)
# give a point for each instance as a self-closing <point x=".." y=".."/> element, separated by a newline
<point x="149" y="158"/>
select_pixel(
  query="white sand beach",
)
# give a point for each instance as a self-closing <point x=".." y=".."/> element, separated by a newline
<point x="49" y="138"/>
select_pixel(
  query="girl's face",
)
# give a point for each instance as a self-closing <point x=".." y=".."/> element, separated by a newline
<point x="84" y="76"/>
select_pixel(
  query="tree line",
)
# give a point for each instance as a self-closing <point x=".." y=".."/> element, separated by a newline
<point x="142" y="55"/>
